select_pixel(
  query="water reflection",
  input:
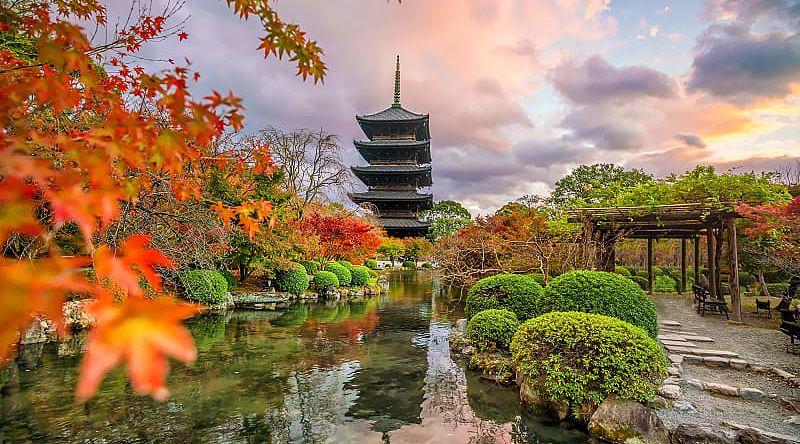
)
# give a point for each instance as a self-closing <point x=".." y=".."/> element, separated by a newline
<point x="377" y="370"/>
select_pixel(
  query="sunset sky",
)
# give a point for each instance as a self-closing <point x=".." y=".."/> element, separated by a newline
<point x="520" y="92"/>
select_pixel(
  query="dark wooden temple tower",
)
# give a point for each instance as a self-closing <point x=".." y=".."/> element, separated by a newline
<point x="398" y="151"/>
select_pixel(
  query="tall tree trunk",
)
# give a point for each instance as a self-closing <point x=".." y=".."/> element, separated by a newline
<point x="762" y="284"/>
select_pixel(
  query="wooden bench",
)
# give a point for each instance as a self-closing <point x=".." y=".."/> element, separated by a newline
<point x="707" y="305"/>
<point x="791" y="328"/>
<point x="763" y="305"/>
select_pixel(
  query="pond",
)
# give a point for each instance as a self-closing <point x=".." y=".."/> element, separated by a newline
<point x="377" y="370"/>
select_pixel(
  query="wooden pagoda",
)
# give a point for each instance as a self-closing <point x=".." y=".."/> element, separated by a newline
<point x="398" y="150"/>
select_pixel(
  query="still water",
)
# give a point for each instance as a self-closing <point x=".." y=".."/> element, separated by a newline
<point x="372" y="371"/>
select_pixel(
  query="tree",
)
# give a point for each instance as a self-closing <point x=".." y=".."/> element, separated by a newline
<point x="311" y="162"/>
<point x="85" y="131"/>
<point x="340" y="235"/>
<point x="392" y="248"/>
<point x="593" y="184"/>
<point x="446" y="217"/>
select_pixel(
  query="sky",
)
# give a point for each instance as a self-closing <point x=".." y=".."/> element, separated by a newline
<point x="520" y="92"/>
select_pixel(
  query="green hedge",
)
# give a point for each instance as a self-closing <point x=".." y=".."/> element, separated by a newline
<point x="603" y="293"/>
<point x="371" y="263"/>
<point x="538" y="277"/>
<point x="581" y="358"/>
<point x="229" y="278"/>
<point x="409" y="264"/>
<point x="293" y="279"/>
<point x="343" y="274"/>
<point x="311" y="266"/>
<point x="427" y="265"/>
<point x="642" y="273"/>
<point x="346" y="264"/>
<point x="325" y="279"/>
<point x="515" y="292"/>
<point x="492" y="329"/>
<point x="204" y="286"/>
<point x="360" y="276"/>
<point x="622" y="271"/>
<point x="664" y="284"/>
<point x="640" y="281"/>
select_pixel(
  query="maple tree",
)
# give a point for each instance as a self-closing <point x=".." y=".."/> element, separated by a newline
<point x="86" y="131"/>
<point x="340" y="236"/>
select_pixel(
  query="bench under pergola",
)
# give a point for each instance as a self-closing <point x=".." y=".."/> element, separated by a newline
<point x="606" y="226"/>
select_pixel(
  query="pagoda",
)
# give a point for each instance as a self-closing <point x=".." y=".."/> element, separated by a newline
<point x="398" y="150"/>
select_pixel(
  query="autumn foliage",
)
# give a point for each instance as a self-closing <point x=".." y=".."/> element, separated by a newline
<point x="339" y="236"/>
<point x="86" y="130"/>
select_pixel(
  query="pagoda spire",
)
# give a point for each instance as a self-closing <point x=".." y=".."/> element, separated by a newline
<point x="396" y="103"/>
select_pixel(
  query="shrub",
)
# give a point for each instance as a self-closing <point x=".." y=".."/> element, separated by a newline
<point x="746" y="279"/>
<point x="664" y="284"/>
<point x="492" y="329"/>
<point x="360" y="275"/>
<point x="346" y="264"/>
<point x="634" y="271"/>
<point x="343" y="274"/>
<point x="602" y="293"/>
<point x="581" y="358"/>
<point x="427" y="265"/>
<point x="229" y="278"/>
<point x="409" y="264"/>
<point x="204" y="286"/>
<point x="673" y="272"/>
<point x="293" y="279"/>
<point x="325" y="279"/>
<point x="642" y="282"/>
<point x="538" y="277"/>
<point x="387" y="266"/>
<point x="622" y="271"/>
<point x="778" y="288"/>
<point x="642" y="273"/>
<point x="371" y="263"/>
<point x="514" y="292"/>
<point x="311" y="266"/>
<point x="658" y="271"/>
<point x="373" y="273"/>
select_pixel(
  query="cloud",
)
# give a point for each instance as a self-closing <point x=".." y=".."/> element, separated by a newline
<point x="595" y="80"/>
<point x="654" y="30"/>
<point x="663" y="10"/>
<point x="691" y="140"/>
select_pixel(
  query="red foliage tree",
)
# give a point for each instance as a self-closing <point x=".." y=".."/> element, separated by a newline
<point x="341" y="236"/>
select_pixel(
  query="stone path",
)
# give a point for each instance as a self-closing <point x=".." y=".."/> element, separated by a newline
<point x="717" y="377"/>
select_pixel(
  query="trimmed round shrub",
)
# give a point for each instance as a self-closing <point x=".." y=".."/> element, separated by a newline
<point x="346" y="264"/>
<point x="642" y="282"/>
<point x="622" y="271"/>
<point x="325" y="279"/>
<point x="664" y="284"/>
<point x="373" y="273"/>
<point x="602" y="293"/>
<point x="229" y="278"/>
<point x="581" y="358"/>
<point x="642" y="273"/>
<point x="370" y="263"/>
<point x="492" y="329"/>
<point x="514" y="292"/>
<point x="538" y="277"/>
<point x="409" y="264"/>
<point x="360" y="276"/>
<point x="204" y="286"/>
<point x="343" y="274"/>
<point x="293" y="279"/>
<point x="311" y="266"/>
<point x="427" y="265"/>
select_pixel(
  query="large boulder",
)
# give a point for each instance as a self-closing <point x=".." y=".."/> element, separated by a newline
<point x="40" y="330"/>
<point x="76" y="315"/>
<point x="702" y="434"/>
<point x="626" y="421"/>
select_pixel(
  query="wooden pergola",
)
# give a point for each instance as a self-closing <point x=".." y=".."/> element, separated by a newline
<point x="606" y="226"/>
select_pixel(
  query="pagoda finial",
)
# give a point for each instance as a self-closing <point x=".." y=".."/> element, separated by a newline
<point x="397" y="84"/>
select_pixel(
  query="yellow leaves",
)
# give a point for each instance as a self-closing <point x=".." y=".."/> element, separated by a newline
<point x="141" y="334"/>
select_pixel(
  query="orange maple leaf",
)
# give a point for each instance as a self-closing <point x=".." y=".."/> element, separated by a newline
<point x="140" y="333"/>
<point x="121" y="265"/>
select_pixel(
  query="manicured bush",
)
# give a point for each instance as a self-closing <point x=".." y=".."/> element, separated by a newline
<point x="642" y="282"/>
<point x="409" y="264"/>
<point x="538" y="277"/>
<point x="581" y="358"/>
<point x="778" y="288"/>
<point x="204" y="286"/>
<point x="229" y="278"/>
<point x="293" y="278"/>
<point x="346" y="264"/>
<point x="325" y="279"/>
<point x="515" y="292"/>
<point x="343" y="274"/>
<point x="642" y="273"/>
<point x="373" y="273"/>
<point x="360" y="276"/>
<point x="664" y="284"/>
<point x="427" y="265"/>
<point x="622" y="271"/>
<point x="492" y="329"/>
<point x="603" y="293"/>
<point x="311" y="266"/>
<point x="371" y="263"/>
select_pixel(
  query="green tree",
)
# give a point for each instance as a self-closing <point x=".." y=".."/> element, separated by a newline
<point x="595" y="184"/>
<point x="391" y="248"/>
<point x="446" y="217"/>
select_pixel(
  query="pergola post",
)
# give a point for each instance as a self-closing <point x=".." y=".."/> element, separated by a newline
<point x="712" y="278"/>
<point x="650" y="265"/>
<point x="696" y="259"/>
<point x="733" y="258"/>
<point x="682" y="286"/>
<point x="718" y="259"/>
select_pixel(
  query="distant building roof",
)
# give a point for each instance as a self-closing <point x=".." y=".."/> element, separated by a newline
<point x="403" y="223"/>
<point x="392" y="169"/>
<point x="390" y="195"/>
<point x="391" y="114"/>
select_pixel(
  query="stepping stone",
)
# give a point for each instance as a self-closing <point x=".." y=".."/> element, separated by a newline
<point x="751" y="393"/>
<point x="722" y="389"/>
<point x="669" y="323"/>
<point x="738" y="364"/>
<point x="720" y="353"/>
<point x="698" y="338"/>
<point x="679" y="349"/>
<point x="716" y="361"/>
<point x="693" y="358"/>
<point x="671" y="337"/>
<point x="671" y="391"/>
<point x="678" y="343"/>
<point x="676" y="359"/>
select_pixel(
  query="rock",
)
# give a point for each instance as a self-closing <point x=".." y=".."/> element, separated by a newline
<point x="738" y="364"/>
<point x="721" y="389"/>
<point x="675" y="371"/>
<point x="676" y="359"/>
<point x="751" y="393"/>
<point x="40" y="330"/>
<point x="673" y="343"/>
<point x="626" y="421"/>
<point x="695" y="383"/>
<point x="670" y="391"/>
<point x="658" y="402"/>
<point x="535" y="402"/>
<point x="752" y="435"/>
<point x="790" y="404"/>
<point x="669" y="323"/>
<point x="708" y="352"/>
<point x="76" y="316"/>
<point x="461" y="326"/>
<point x="794" y="419"/>
<point x="782" y="373"/>
<point x="468" y="350"/>
<point x="672" y="380"/>
<point x="683" y="406"/>
<point x="716" y="361"/>
<point x="226" y="304"/>
<point x="696" y="338"/>
<point x="702" y="434"/>
<point x="692" y="358"/>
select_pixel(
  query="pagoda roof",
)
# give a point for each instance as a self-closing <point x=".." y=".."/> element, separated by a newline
<point x="394" y="113"/>
<point x="392" y="169"/>
<point x="390" y="195"/>
<point x="403" y="223"/>
<point x="388" y="143"/>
